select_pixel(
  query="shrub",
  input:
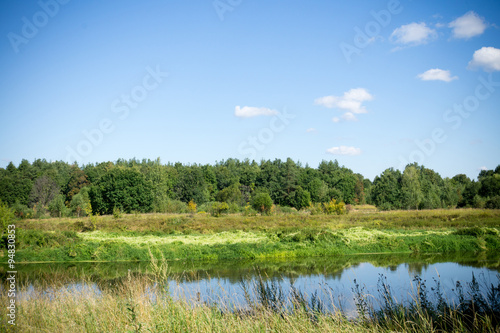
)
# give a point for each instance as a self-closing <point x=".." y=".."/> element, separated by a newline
<point x="493" y="203"/>
<point x="249" y="211"/>
<point x="385" y="206"/>
<point x="234" y="208"/>
<point x="117" y="213"/>
<point x="22" y="211"/>
<point x="39" y="211"/>
<point x="171" y="206"/>
<point x="230" y="194"/>
<point x="262" y="203"/>
<point x="333" y="207"/>
<point x="219" y="208"/>
<point x="315" y="208"/>
<point x="191" y="206"/>
<point x="348" y="208"/>
<point x="478" y="202"/>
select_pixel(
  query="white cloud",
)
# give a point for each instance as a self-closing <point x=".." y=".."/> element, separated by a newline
<point x="437" y="74"/>
<point x="468" y="25"/>
<point x="413" y="34"/>
<point x="311" y="130"/>
<point x="486" y="57"/>
<point x="349" y="116"/>
<point x="250" y="111"/>
<point x="483" y="168"/>
<point x="344" y="150"/>
<point x="351" y="102"/>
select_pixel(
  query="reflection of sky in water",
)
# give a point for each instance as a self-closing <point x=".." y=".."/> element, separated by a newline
<point x="333" y="287"/>
<point x="78" y="289"/>
<point x="337" y="289"/>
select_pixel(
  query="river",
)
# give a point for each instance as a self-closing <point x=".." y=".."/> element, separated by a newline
<point x="330" y="280"/>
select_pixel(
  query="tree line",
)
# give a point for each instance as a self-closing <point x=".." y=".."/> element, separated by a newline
<point x="61" y="189"/>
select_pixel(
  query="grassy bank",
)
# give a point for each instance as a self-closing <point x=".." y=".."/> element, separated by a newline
<point x="199" y="236"/>
<point x="141" y="303"/>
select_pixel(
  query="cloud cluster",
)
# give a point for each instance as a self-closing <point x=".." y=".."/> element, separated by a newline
<point x="437" y="74"/>
<point x="250" y="111"/>
<point x="344" y="150"/>
<point x="466" y="26"/>
<point x="351" y="101"/>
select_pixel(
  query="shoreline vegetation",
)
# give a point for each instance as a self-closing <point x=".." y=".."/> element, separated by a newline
<point x="131" y="237"/>
<point x="144" y="303"/>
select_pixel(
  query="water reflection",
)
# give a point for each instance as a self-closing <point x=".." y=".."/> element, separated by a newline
<point x="215" y="282"/>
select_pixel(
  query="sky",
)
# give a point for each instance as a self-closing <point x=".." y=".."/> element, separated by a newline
<point x="372" y="84"/>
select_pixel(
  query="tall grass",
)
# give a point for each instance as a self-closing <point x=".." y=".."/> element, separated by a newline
<point x="142" y="303"/>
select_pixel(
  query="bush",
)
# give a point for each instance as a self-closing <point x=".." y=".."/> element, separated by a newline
<point x="249" y="211"/>
<point x="171" y="206"/>
<point x="315" y="208"/>
<point x="493" y="203"/>
<point x="262" y="203"/>
<point x="231" y="194"/>
<point x="219" y="208"/>
<point x="39" y="211"/>
<point x="385" y="206"/>
<point x="191" y="206"/>
<point x="117" y="213"/>
<point x="333" y="207"/>
<point x="478" y="202"/>
<point x="22" y="211"/>
<point x="234" y="208"/>
<point x="348" y="208"/>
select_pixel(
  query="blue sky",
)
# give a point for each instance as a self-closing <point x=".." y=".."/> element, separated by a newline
<point x="373" y="84"/>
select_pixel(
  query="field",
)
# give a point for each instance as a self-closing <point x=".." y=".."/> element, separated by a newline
<point x="137" y="303"/>
<point x="201" y="236"/>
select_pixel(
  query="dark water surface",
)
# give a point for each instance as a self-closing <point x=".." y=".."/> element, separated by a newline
<point x="331" y="279"/>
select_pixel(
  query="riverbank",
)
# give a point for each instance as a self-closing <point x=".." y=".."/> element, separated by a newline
<point x="201" y="237"/>
<point x="146" y="303"/>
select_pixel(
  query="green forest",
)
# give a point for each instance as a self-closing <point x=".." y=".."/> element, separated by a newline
<point x="43" y="188"/>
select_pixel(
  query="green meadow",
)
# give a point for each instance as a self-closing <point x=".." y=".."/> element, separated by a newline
<point x="132" y="237"/>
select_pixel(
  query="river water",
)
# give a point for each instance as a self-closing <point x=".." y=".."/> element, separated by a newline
<point x="331" y="280"/>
